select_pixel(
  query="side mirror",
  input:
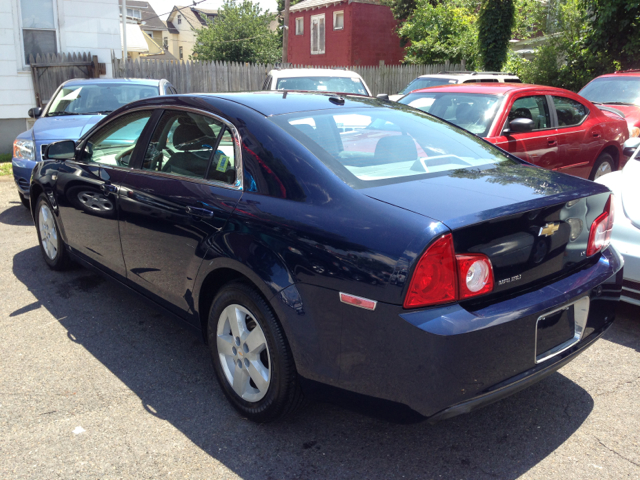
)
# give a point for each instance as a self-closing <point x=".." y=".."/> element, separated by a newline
<point x="35" y="112"/>
<point x="520" y="125"/>
<point x="383" y="96"/>
<point x="62" y="150"/>
<point x="630" y="146"/>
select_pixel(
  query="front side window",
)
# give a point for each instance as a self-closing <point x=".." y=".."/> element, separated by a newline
<point x="38" y="28"/>
<point x="191" y="145"/>
<point x="338" y="20"/>
<point x="97" y="99"/>
<point x="473" y="112"/>
<point x="299" y="25"/>
<point x="323" y="84"/>
<point x="534" y="108"/>
<point x="114" y="143"/>
<point x="569" y="112"/>
<point x="372" y="146"/>
<point x="317" y="34"/>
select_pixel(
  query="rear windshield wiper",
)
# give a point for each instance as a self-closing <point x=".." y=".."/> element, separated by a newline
<point x="57" y="114"/>
<point x="102" y="112"/>
<point x="619" y="103"/>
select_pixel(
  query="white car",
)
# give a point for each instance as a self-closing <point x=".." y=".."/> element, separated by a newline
<point x="625" y="235"/>
<point x="453" y="78"/>
<point x="316" y="80"/>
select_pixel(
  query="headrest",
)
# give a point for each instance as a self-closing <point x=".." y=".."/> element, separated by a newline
<point x="395" y="148"/>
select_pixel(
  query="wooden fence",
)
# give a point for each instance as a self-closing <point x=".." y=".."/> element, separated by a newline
<point x="48" y="71"/>
<point x="210" y="77"/>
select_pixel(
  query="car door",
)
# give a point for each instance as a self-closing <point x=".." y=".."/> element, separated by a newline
<point x="176" y="201"/>
<point x="539" y="146"/>
<point x="579" y="141"/>
<point x="87" y="189"/>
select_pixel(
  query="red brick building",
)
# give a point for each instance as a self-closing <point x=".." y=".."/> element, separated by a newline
<point x="343" y="33"/>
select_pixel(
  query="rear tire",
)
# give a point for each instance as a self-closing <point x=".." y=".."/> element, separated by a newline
<point x="251" y="357"/>
<point x="51" y="245"/>
<point x="604" y="164"/>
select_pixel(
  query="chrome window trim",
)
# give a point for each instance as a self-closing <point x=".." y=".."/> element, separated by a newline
<point x="581" y="314"/>
<point x="239" y="183"/>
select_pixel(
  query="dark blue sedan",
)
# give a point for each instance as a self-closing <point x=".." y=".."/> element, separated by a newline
<point x="318" y="240"/>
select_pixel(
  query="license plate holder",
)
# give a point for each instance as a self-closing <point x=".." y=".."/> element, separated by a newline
<point x="560" y="329"/>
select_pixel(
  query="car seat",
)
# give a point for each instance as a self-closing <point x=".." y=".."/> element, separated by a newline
<point x="395" y="148"/>
<point x="193" y="150"/>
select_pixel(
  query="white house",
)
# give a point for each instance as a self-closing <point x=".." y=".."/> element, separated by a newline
<point x="47" y="26"/>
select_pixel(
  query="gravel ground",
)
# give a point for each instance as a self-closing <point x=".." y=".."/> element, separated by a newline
<point x="96" y="384"/>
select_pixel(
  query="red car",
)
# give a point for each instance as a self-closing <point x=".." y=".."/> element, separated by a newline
<point x="621" y="91"/>
<point x="549" y="127"/>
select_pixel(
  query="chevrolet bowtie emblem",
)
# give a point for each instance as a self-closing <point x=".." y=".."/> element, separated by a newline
<point x="549" y="229"/>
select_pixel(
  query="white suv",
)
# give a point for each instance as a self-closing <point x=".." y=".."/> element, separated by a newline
<point x="451" y="78"/>
<point x="316" y="79"/>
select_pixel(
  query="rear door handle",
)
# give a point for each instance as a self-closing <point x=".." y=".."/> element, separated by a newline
<point x="552" y="142"/>
<point x="199" y="212"/>
<point x="595" y="134"/>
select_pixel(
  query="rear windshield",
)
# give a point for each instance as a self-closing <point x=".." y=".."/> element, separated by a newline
<point x="323" y="84"/>
<point x="419" y="83"/>
<point x="375" y="146"/>
<point x="98" y="98"/>
<point x="613" y="90"/>
<point x="472" y="111"/>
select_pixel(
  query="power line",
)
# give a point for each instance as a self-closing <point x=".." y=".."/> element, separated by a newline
<point x="168" y="13"/>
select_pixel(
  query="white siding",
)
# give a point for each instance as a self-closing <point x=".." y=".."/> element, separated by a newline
<point x="83" y="25"/>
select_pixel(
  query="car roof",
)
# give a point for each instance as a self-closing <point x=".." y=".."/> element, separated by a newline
<point x="491" y="88"/>
<point x="112" y="81"/>
<point x="275" y="102"/>
<point x="627" y="73"/>
<point x="313" y="72"/>
<point x="468" y="74"/>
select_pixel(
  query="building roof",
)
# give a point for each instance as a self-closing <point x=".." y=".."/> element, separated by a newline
<point x="150" y="19"/>
<point x="314" y="4"/>
<point x="171" y="27"/>
<point x="193" y="15"/>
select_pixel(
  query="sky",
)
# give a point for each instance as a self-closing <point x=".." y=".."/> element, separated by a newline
<point x="163" y="7"/>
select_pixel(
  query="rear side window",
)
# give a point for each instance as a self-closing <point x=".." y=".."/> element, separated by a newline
<point x="189" y="145"/>
<point x="373" y="146"/>
<point x="569" y="112"/>
<point x="534" y="108"/>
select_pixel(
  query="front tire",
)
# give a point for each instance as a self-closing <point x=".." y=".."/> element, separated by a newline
<point x="51" y="244"/>
<point x="604" y="164"/>
<point x="251" y="357"/>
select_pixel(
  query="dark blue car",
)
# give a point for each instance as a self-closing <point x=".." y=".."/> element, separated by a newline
<point x="315" y="240"/>
<point x="76" y="106"/>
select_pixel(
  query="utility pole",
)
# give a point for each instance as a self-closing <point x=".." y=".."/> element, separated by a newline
<point x="124" y="34"/>
<point x="285" y="32"/>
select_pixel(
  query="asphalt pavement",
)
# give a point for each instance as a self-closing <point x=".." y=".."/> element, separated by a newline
<point x="95" y="383"/>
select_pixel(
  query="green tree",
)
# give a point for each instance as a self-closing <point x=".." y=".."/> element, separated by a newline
<point x="495" y="25"/>
<point x="441" y="32"/>
<point x="240" y="33"/>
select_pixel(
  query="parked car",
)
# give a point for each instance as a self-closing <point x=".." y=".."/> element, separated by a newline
<point x="619" y="91"/>
<point x="74" y="108"/>
<point x="455" y="78"/>
<point x="549" y="127"/>
<point x="626" y="229"/>
<point x="316" y="80"/>
<point x="307" y="256"/>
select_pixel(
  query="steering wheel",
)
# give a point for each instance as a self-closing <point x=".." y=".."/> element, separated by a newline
<point x="120" y="157"/>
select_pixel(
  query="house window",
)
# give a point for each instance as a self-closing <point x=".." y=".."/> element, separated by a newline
<point x="132" y="12"/>
<point x="165" y="43"/>
<point x="179" y="19"/>
<point x="181" y="54"/>
<point x="299" y="25"/>
<point x="338" y="20"/>
<point x="38" y="27"/>
<point x="150" y="34"/>
<point x="317" y="34"/>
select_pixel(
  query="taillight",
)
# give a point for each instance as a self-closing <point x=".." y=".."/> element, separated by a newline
<point x="600" y="232"/>
<point x="441" y="276"/>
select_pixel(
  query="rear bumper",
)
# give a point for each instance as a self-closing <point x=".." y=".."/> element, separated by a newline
<point x="22" y="174"/>
<point x="445" y="361"/>
<point x="626" y="240"/>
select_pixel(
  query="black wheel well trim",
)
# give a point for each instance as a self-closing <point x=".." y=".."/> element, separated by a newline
<point x="34" y="192"/>
<point x="615" y="154"/>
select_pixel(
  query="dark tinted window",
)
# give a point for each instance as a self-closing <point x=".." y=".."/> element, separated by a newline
<point x="113" y="144"/>
<point x="569" y="111"/>
<point x="512" y="80"/>
<point x="534" y="108"/>
<point x="185" y="143"/>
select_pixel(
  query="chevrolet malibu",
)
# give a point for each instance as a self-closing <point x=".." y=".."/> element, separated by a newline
<point x="420" y="265"/>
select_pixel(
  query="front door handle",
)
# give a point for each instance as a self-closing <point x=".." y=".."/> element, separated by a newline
<point x="199" y="212"/>
<point x="552" y="142"/>
<point x="108" y="188"/>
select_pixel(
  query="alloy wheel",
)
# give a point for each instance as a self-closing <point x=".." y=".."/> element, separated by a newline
<point x="603" y="170"/>
<point x="95" y="201"/>
<point x="48" y="231"/>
